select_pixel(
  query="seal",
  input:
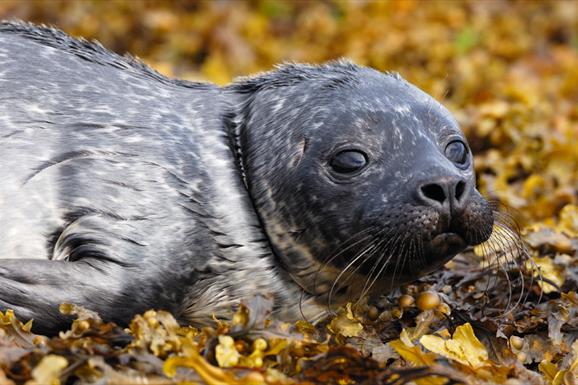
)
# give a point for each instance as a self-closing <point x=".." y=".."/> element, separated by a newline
<point x="124" y="190"/>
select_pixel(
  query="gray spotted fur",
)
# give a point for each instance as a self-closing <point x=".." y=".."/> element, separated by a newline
<point x="123" y="190"/>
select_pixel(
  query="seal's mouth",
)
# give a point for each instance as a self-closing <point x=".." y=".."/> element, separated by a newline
<point x="444" y="247"/>
<point x="448" y="244"/>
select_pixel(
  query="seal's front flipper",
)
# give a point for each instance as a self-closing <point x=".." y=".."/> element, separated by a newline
<point x="34" y="289"/>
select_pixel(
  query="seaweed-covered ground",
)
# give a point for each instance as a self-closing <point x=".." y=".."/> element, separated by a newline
<point x="505" y="312"/>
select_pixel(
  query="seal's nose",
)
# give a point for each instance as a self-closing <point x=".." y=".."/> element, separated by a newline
<point x="445" y="193"/>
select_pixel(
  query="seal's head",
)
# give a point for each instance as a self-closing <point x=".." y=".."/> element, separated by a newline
<point x="362" y="181"/>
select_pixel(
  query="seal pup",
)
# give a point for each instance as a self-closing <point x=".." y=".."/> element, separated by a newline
<point x="124" y="190"/>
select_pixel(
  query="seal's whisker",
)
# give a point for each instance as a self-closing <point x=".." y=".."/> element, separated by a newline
<point x="340" y="283"/>
<point x="364" y="232"/>
<point x="500" y="208"/>
<point x="506" y="219"/>
<point x="365" y="238"/>
<point x="488" y="249"/>
<point x="344" y="270"/>
<point x="405" y="255"/>
<point x="368" y="254"/>
<point x="503" y="263"/>
<point x="410" y="252"/>
<point x="421" y="254"/>
<point x="504" y="270"/>
<point x="514" y="250"/>
<point x="331" y="257"/>
<point x="395" y="254"/>
<point x="505" y="251"/>
<point x="382" y="244"/>
<point x="388" y="240"/>
<point x="489" y="254"/>
<point x="400" y="256"/>
<point x="522" y="262"/>
<point x="382" y="266"/>
<point x="371" y="281"/>
<point x="381" y="269"/>
<point x="365" y="290"/>
<point x="372" y="271"/>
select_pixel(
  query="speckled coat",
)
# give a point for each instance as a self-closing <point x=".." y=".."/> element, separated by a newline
<point x="107" y="164"/>
<point x="122" y="190"/>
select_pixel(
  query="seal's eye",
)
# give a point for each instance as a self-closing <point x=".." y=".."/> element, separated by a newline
<point x="457" y="152"/>
<point x="348" y="161"/>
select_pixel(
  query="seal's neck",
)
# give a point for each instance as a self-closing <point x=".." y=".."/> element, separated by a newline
<point x="294" y="263"/>
<point x="252" y="266"/>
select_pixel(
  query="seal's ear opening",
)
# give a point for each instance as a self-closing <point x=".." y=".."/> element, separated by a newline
<point x="297" y="155"/>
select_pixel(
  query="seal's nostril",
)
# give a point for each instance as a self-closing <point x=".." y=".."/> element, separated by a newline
<point x="460" y="187"/>
<point x="434" y="192"/>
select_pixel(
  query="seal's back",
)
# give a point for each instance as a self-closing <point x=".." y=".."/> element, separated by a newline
<point x="88" y="136"/>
